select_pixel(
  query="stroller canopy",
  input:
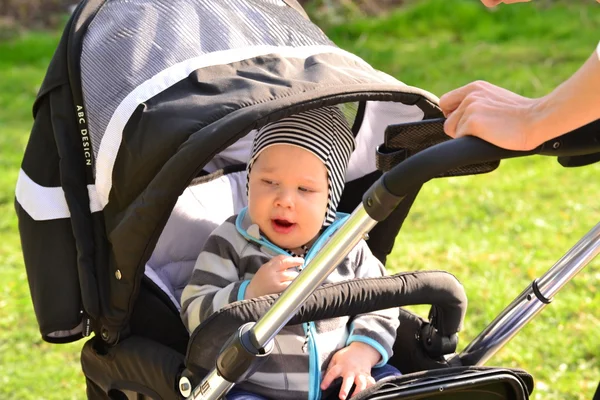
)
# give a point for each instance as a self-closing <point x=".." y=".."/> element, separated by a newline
<point x="163" y="92"/>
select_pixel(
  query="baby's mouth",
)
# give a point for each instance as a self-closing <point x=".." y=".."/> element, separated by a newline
<point x="282" y="225"/>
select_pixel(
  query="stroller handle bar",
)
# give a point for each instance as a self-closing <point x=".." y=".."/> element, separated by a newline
<point x="385" y="195"/>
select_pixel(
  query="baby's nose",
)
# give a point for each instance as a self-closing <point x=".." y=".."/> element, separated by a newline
<point x="285" y="198"/>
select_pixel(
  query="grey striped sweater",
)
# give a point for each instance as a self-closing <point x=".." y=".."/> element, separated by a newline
<point x="222" y="271"/>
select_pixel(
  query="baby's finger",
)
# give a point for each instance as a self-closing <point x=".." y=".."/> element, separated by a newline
<point x="287" y="275"/>
<point x="361" y="384"/>
<point x="289" y="262"/>
<point x="346" y="386"/>
<point x="370" y="381"/>
<point x="330" y="375"/>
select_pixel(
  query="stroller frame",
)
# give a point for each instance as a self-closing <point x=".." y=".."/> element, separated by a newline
<point x="378" y="202"/>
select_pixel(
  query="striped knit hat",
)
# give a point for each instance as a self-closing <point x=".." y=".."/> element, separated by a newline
<point x="325" y="133"/>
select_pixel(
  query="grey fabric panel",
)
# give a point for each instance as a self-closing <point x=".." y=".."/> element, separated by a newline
<point x="222" y="248"/>
<point x="130" y="41"/>
<point x="200" y="277"/>
<point x="252" y="262"/>
<point x="206" y="306"/>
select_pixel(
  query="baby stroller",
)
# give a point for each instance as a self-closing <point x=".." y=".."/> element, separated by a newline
<point x="141" y="135"/>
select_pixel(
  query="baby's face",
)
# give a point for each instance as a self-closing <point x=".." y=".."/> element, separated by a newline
<point x="287" y="195"/>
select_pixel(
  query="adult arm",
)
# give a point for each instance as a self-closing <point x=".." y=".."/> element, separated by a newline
<point x="508" y="120"/>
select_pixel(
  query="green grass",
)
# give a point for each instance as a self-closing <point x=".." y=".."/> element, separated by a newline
<point x="495" y="232"/>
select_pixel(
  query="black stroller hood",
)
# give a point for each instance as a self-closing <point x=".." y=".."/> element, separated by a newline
<point x="170" y="136"/>
<point x="159" y="89"/>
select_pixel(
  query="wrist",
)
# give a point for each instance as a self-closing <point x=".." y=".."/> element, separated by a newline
<point x="541" y="127"/>
<point x="369" y="353"/>
<point x="249" y="293"/>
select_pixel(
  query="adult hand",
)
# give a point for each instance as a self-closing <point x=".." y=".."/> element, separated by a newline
<point x="492" y="113"/>
<point x="353" y="364"/>
<point x="493" y="3"/>
<point x="273" y="276"/>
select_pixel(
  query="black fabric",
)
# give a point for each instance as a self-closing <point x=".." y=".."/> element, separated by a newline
<point x="76" y="170"/>
<point x="58" y="254"/>
<point x="135" y="364"/>
<point x="49" y="246"/>
<point x="64" y="257"/>
<point x="74" y="184"/>
<point x="383" y="235"/>
<point x="51" y="264"/>
<point x="82" y="17"/>
<point x="465" y="383"/>
<point x="155" y="317"/>
<point x="597" y="394"/>
<point x="334" y="300"/>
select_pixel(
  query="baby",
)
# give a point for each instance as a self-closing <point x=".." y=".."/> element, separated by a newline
<point x="295" y="181"/>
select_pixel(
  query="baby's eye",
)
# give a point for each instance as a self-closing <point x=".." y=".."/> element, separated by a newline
<point x="268" y="181"/>
<point x="305" y="189"/>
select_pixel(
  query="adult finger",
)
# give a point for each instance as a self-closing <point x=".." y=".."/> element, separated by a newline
<point x="332" y="373"/>
<point x="478" y="116"/>
<point x="454" y="124"/>
<point x="454" y="119"/>
<point x="464" y="124"/>
<point x="450" y="101"/>
<point x="346" y="385"/>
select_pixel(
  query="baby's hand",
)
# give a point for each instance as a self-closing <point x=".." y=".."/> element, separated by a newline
<point x="353" y="364"/>
<point x="273" y="276"/>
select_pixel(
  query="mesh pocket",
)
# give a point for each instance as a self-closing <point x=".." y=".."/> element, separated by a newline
<point x="402" y="141"/>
